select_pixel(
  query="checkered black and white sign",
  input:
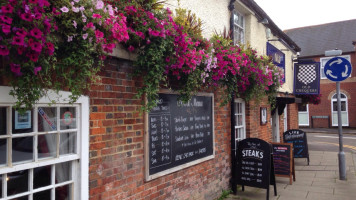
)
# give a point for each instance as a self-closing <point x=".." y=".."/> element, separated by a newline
<point x="307" y="78"/>
<point x="306" y="74"/>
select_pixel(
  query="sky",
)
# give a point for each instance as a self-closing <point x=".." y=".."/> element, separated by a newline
<point x="287" y="14"/>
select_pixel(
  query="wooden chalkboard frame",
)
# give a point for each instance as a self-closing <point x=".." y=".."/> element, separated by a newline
<point x="291" y="161"/>
<point x="148" y="176"/>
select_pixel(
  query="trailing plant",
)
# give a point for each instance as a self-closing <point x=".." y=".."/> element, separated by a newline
<point x="56" y="45"/>
<point x="310" y="98"/>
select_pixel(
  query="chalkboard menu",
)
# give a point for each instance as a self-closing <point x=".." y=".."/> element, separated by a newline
<point x="283" y="160"/>
<point x="179" y="133"/>
<point x="299" y="140"/>
<point x="254" y="163"/>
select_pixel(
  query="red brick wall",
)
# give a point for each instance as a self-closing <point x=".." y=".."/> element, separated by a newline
<point x="292" y="119"/>
<point x="254" y="129"/>
<point x="117" y="147"/>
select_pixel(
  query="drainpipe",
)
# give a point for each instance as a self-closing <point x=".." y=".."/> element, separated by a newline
<point x="232" y="115"/>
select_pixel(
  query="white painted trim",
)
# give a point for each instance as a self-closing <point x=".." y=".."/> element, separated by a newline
<point x="83" y="137"/>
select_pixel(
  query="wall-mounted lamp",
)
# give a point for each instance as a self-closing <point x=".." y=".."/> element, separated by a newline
<point x="264" y="21"/>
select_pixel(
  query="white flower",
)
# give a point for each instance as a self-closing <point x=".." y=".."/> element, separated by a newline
<point x="75" y="9"/>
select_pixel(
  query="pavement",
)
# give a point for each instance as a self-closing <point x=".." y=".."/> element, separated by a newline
<point x="317" y="181"/>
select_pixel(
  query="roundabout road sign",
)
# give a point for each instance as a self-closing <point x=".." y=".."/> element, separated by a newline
<point x="337" y="69"/>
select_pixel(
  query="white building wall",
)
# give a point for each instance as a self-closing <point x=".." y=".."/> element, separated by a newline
<point x="214" y="14"/>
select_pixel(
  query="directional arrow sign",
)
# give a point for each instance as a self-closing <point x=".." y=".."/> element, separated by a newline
<point x="337" y="69"/>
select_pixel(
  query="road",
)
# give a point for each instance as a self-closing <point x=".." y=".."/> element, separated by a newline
<point x="330" y="142"/>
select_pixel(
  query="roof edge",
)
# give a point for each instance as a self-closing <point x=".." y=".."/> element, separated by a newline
<point x="274" y="28"/>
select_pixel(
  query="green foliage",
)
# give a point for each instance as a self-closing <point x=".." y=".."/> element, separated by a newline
<point x="225" y="193"/>
<point x="192" y="25"/>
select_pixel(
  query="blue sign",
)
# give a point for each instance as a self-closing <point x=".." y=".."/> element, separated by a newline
<point x="307" y="78"/>
<point x="337" y="69"/>
<point x="278" y="57"/>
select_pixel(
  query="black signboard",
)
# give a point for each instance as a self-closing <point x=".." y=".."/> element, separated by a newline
<point x="278" y="57"/>
<point x="307" y="78"/>
<point x="254" y="166"/>
<point x="283" y="160"/>
<point x="299" y="140"/>
<point x="179" y="133"/>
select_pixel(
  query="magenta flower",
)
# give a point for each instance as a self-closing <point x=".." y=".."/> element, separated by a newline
<point x="64" y="9"/>
<point x="50" y="48"/>
<point x="20" y="50"/>
<point x="37" y="69"/>
<point x="16" y="69"/>
<point x="3" y="50"/>
<point x="32" y="1"/>
<point x="6" y="19"/>
<point x="26" y="17"/>
<point x="36" y="33"/>
<point x="18" y="40"/>
<point x="6" y="29"/>
<point x="131" y="48"/>
<point x="32" y="56"/>
<point x="36" y="46"/>
<point x="38" y="15"/>
<point x="7" y="9"/>
<point x="21" y="32"/>
<point x="99" y="34"/>
<point x="97" y="16"/>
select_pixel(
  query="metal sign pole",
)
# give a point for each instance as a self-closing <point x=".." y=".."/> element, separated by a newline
<point x="341" y="155"/>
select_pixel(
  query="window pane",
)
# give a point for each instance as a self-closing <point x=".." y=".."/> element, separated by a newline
<point x="47" y="145"/>
<point x="47" y="119"/>
<point x="3" y="150"/>
<point x="342" y="96"/>
<point x="22" y="122"/>
<point x="22" y="149"/>
<point x="44" y="195"/>
<point x="68" y="118"/>
<point x="334" y="106"/>
<point x="63" y="193"/>
<point x="3" y="121"/>
<point x="343" y="105"/>
<point x="67" y="143"/>
<point x="41" y="177"/>
<point x="302" y="107"/>
<point x="63" y="172"/>
<point x="17" y="182"/>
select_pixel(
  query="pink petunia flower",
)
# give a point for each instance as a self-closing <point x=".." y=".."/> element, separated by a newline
<point x="131" y="48"/>
<point x="70" y="38"/>
<point x="36" y="46"/>
<point x="85" y="36"/>
<point x="97" y="16"/>
<point x="99" y="34"/>
<point x="6" y="29"/>
<point x="18" y="40"/>
<point x="21" y="32"/>
<point x="75" y="24"/>
<point x="3" y="50"/>
<point x="6" y="19"/>
<point x="38" y="15"/>
<point x="75" y="9"/>
<point x="20" y="50"/>
<point x="64" y="9"/>
<point x="50" y="48"/>
<point x="7" y="9"/>
<point x="32" y="1"/>
<point x="37" y="69"/>
<point x="16" y="69"/>
<point x="33" y="56"/>
<point x="26" y="17"/>
<point x="36" y="33"/>
<point x="99" y="5"/>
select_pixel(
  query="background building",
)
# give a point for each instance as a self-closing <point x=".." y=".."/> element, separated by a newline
<point x="314" y="41"/>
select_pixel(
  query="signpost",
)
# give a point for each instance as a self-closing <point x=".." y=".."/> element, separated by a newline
<point x="338" y="69"/>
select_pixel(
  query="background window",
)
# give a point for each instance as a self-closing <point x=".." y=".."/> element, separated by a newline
<point x="239" y="28"/>
<point x="344" y="110"/>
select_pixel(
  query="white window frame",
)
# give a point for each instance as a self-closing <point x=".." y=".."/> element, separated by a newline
<point x="239" y="27"/>
<point x="342" y="112"/>
<point x="304" y="112"/>
<point x="243" y="114"/>
<point x="324" y="60"/>
<point x="80" y="169"/>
